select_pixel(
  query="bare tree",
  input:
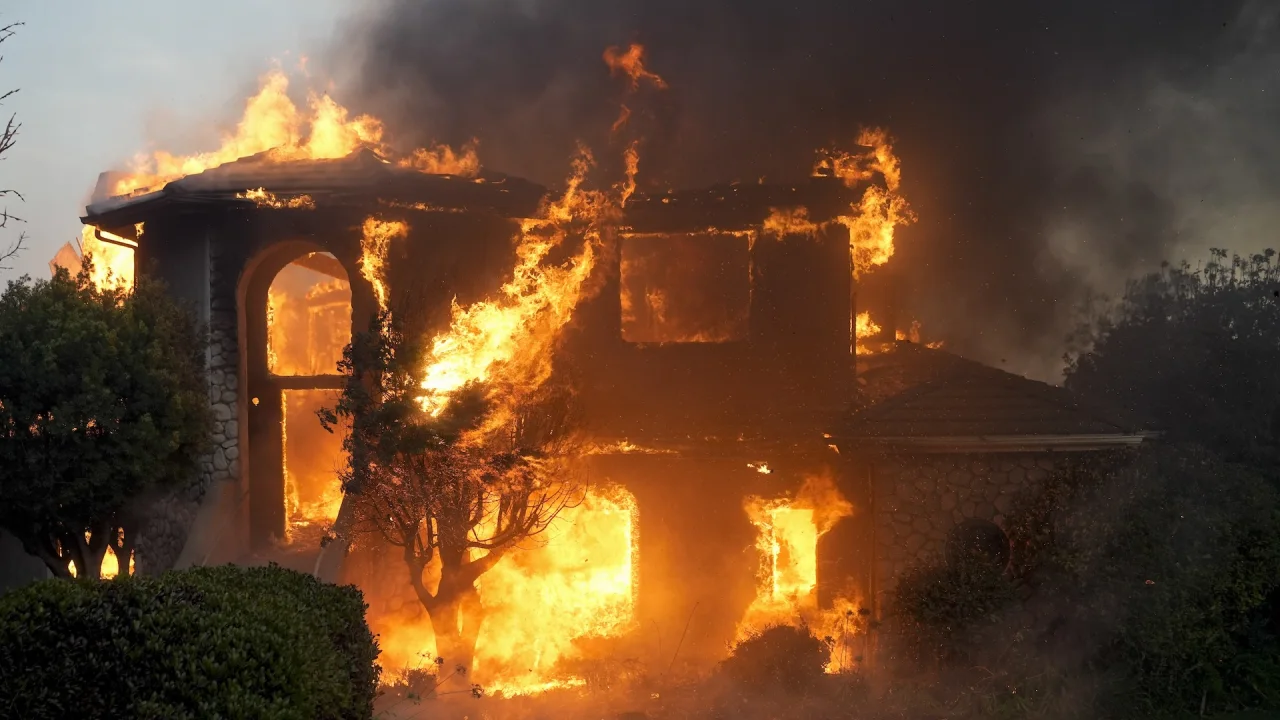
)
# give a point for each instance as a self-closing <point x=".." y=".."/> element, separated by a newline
<point x="7" y="140"/>
<point x="454" y="499"/>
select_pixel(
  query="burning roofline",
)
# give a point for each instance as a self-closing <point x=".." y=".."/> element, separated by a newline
<point x="365" y="177"/>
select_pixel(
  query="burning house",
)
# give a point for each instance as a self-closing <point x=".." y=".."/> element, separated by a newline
<point x="758" y="452"/>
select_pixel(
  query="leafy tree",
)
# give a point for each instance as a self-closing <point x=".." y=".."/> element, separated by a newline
<point x="1195" y="349"/>
<point x="456" y="491"/>
<point x="9" y="136"/>
<point x="103" y="402"/>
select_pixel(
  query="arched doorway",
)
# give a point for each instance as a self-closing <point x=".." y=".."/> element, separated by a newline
<point x="297" y="315"/>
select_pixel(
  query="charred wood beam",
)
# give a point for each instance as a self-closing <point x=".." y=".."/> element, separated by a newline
<point x="309" y="382"/>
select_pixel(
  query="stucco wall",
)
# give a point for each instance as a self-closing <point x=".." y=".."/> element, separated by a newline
<point x="920" y="499"/>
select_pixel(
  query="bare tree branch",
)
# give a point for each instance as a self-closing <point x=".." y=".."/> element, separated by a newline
<point x="8" y="137"/>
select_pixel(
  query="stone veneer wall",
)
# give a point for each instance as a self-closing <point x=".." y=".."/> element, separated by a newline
<point x="920" y="499"/>
<point x="165" y="533"/>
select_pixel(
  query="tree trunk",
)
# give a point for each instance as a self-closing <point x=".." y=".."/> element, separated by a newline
<point x="456" y="614"/>
<point x="456" y="624"/>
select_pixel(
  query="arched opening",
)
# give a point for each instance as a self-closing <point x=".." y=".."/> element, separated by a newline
<point x="296" y="320"/>
<point x="308" y="327"/>
<point x="978" y="538"/>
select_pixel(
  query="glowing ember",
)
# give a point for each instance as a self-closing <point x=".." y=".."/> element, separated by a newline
<point x="375" y="243"/>
<point x="262" y="198"/>
<point x="789" y="529"/>
<point x="273" y="124"/>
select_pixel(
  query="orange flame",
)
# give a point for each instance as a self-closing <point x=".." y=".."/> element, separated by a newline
<point x="262" y="198"/>
<point x="630" y="64"/>
<point x="580" y="584"/>
<point x="872" y="221"/>
<point x="273" y="124"/>
<point x="789" y="529"/>
<point x="513" y="335"/>
<point x="632" y="158"/>
<point x="444" y="160"/>
<point x="864" y="329"/>
<point x="112" y="261"/>
<point x="375" y="243"/>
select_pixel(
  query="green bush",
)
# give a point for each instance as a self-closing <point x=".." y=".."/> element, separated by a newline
<point x="222" y="642"/>
<point x="779" y="658"/>
<point x="942" y="605"/>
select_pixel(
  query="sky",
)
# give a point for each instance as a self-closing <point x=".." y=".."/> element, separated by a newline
<point x="102" y="81"/>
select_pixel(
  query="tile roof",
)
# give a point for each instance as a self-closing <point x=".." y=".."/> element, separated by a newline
<point x="913" y="392"/>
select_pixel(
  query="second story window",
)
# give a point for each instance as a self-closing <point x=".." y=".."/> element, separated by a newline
<point x="685" y="288"/>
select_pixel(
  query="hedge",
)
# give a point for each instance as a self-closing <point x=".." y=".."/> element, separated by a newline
<point x="224" y="642"/>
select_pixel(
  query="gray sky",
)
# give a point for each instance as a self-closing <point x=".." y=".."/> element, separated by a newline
<point x="102" y="80"/>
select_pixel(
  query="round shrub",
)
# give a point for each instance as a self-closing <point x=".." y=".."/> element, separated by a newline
<point x="779" y="658"/>
<point x="207" y="642"/>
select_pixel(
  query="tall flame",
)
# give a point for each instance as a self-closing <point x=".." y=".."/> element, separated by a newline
<point x="872" y="222"/>
<point x="375" y="243"/>
<point x="516" y="332"/>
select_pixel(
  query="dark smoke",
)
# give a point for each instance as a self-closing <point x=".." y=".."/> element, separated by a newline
<point x="1049" y="148"/>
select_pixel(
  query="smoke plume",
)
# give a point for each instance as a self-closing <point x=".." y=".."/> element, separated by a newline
<point x="1050" y="149"/>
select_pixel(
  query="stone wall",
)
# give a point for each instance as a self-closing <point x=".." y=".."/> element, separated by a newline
<point x="170" y="520"/>
<point x="920" y="499"/>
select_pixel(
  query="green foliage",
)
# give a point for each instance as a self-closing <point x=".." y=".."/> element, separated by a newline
<point x="1177" y="554"/>
<point x="208" y="642"/>
<point x="781" y="658"/>
<point x="1195" y="350"/>
<point x="942" y="605"/>
<point x="103" y="402"/>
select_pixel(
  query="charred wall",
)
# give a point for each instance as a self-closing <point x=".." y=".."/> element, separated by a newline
<point x="781" y="377"/>
<point x="699" y="564"/>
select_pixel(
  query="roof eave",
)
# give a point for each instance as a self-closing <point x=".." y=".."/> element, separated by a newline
<point x="1000" y="443"/>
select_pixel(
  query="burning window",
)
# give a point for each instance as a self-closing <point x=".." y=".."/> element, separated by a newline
<point x="786" y="594"/>
<point x="308" y="317"/>
<point x="685" y="288"/>
<point x="313" y="461"/>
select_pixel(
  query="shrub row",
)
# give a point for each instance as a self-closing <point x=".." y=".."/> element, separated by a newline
<point x="222" y="642"/>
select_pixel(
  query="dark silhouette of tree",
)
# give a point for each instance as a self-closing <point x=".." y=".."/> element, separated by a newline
<point x="103" y="403"/>
<point x="8" y="137"/>
<point x="1195" y="350"/>
<point x="451" y="491"/>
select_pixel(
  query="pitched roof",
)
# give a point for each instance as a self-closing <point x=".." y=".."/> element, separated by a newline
<point x="362" y="173"/>
<point x="913" y="395"/>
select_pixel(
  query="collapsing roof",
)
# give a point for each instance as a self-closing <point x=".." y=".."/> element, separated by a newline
<point x="913" y="397"/>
